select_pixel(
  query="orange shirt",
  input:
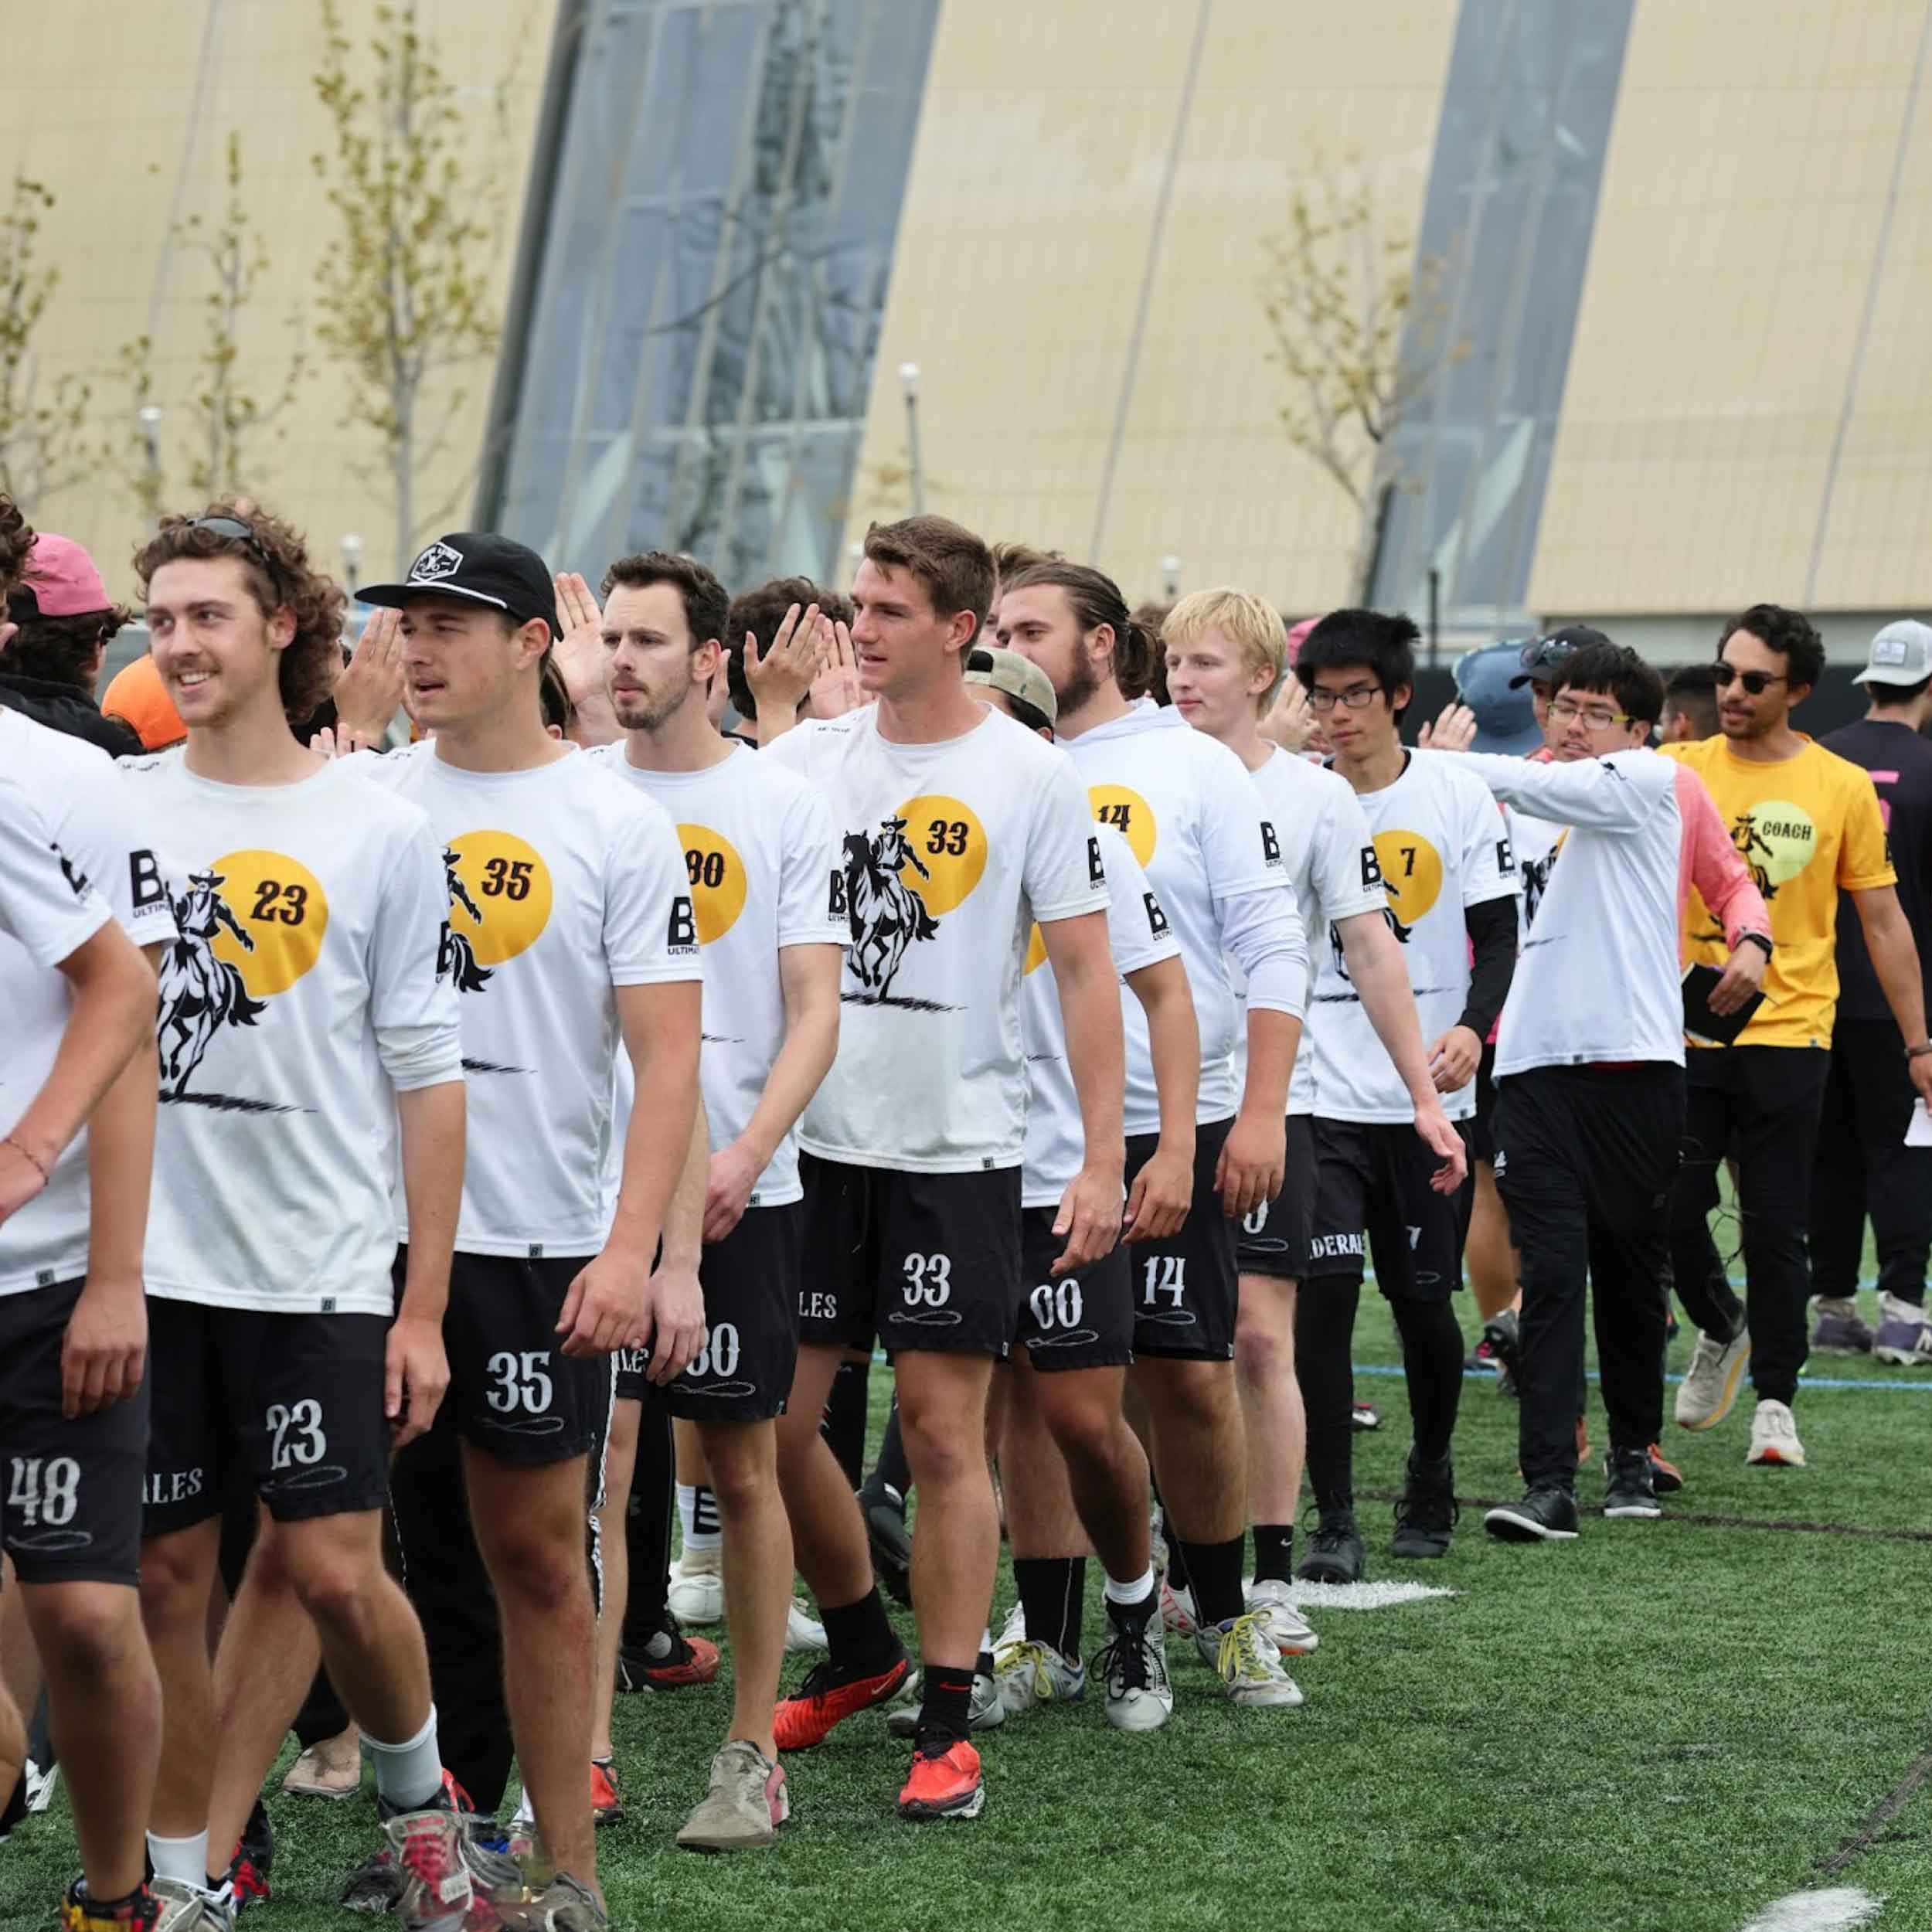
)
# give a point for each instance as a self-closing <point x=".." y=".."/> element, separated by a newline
<point x="1805" y="827"/>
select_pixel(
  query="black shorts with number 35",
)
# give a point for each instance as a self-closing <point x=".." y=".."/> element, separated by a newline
<point x="921" y="1261"/>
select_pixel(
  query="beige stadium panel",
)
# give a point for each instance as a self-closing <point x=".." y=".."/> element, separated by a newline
<point x="130" y="143"/>
<point x="1024" y="246"/>
<point x="1742" y="227"/>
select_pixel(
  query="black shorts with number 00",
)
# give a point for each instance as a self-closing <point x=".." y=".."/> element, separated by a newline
<point x="921" y="1261"/>
<point x="1082" y="1321"/>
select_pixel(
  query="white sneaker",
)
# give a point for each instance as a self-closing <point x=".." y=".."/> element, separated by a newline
<point x="983" y="1712"/>
<point x="1904" y="1336"/>
<point x="40" y="1784"/>
<point x="1027" y="1674"/>
<point x="1710" y="1383"/>
<point x="1133" y="1668"/>
<point x="803" y="1630"/>
<point x="1774" y="1442"/>
<point x="1012" y="1632"/>
<point x="1177" y="1610"/>
<point x="189" y="1908"/>
<point x="697" y="1595"/>
<point x="1244" y="1654"/>
<point x="1269" y="1600"/>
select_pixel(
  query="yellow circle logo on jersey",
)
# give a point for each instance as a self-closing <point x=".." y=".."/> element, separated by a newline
<point x="499" y="895"/>
<point x="1412" y="871"/>
<point x="1776" y="839"/>
<point x="1130" y="814"/>
<point x="281" y="914"/>
<point x="1035" y="952"/>
<point x="717" y="875"/>
<point x="941" y="852"/>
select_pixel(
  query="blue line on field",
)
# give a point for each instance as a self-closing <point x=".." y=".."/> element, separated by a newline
<point x="1887" y="1387"/>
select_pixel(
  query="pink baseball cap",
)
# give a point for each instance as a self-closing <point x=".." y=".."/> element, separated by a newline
<point x="1297" y="636"/>
<point x="62" y="579"/>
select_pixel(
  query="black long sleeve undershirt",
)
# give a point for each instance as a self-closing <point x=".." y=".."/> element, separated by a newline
<point x="1492" y="926"/>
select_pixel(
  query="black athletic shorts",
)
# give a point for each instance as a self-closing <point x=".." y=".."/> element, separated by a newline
<point x="513" y="1393"/>
<point x="1184" y="1287"/>
<point x="293" y="1401"/>
<point x="70" y="1505"/>
<point x="1080" y="1320"/>
<point x="751" y="1283"/>
<point x="1482" y="1139"/>
<point x="1372" y="1178"/>
<point x="1274" y="1240"/>
<point x="920" y="1261"/>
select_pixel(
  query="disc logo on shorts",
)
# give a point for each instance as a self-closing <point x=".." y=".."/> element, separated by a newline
<point x="1776" y="839"/>
<point x="500" y="896"/>
<point x="1130" y="814"/>
<point x="923" y="861"/>
<point x="717" y="875"/>
<point x="249" y="926"/>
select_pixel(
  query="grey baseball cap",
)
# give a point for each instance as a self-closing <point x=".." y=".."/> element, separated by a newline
<point x="1487" y="683"/>
<point x="1901" y="654"/>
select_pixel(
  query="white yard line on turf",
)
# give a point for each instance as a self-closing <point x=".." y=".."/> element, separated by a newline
<point x="1362" y="1596"/>
<point x="1837" y="1910"/>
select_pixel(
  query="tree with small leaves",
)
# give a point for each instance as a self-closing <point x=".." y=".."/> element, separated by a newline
<point x="41" y="421"/>
<point x="406" y="305"/>
<point x="1345" y="293"/>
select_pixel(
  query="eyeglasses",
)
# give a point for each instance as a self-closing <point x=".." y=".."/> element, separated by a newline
<point x="1358" y="697"/>
<point x="1598" y="717"/>
<point x="1756" y="682"/>
<point x="233" y="527"/>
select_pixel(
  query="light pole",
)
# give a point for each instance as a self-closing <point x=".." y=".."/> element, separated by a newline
<point x="1171" y="576"/>
<point x="352" y="561"/>
<point x="909" y="382"/>
<point x="149" y="416"/>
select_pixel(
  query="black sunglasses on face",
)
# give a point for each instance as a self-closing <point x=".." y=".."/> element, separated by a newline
<point x="1756" y="682"/>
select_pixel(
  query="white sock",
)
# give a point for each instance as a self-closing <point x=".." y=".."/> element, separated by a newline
<point x="408" y="1775"/>
<point x="1133" y="1592"/>
<point x="698" y="1516"/>
<point x="183" y="1859"/>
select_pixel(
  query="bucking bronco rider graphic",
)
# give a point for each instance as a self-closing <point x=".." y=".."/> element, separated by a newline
<point x="887" y="914"/>
<point x="199" y="992"/>
<point x="465" y="975"/>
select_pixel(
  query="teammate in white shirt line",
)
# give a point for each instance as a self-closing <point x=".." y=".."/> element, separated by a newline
<point x="286" y="1080"/>
<point x="763" y="866"/>
<point x="1187" y="810"/>
<point x="1225" y="650"/>
<point x="961" y="831"/>
<point x="73" y="1323"/>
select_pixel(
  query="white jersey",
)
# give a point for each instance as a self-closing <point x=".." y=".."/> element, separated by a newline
<point x="951" y="851"/>
<point x="311" y="917"/>
<point x="1184" y="804"/>
<point x="1599" y="979"/>
<point x="1139" y="935"/>
<point x="79" y="810"/>
<point x="763" y="866"/>
<point x="562" y="885"/>
<point x="1443" y="846"/>
<point x="1332" y="866"/>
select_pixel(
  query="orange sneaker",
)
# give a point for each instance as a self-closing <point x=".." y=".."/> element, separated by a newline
<point x="606" y="1793"/>
<point x="829" y="1696"/>
<point x="946" y="1785"/>
<point x="1666" y="1477"/>
<point x="684" y="1661"/>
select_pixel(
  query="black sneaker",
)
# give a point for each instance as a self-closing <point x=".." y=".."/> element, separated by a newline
<point x="1427" y="1511"/>
<point x="1335" y="1554"/>
<point x="1503" y="1335"/>
<point x="1546" y="1515"/>
<point x="1630" y="1486"/>
<point x="884" y="1509"/>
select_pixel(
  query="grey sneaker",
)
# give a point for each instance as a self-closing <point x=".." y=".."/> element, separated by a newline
<point x="1272" y="1602"/>
<point x="985" y="1713"/>
<point x="189" y="1908"/>
<point x="1245" y="1656"/>
<point x="563" y="1906"/>
<point x="746" y="1804"/>
<point x="1710" y="1383"/>
<point x="435" y="1892"/>
<point x="1841" y="1329"/>
<point x="1904" y="1336"/>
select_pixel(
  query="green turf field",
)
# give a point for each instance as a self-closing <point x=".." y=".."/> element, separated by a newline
<point x="1660" y="1728"/>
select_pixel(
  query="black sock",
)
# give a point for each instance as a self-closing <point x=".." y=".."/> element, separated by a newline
<point x="983" y="1664"/>
<point x="1324" y="1312"/>
<point x="1177" y="1574"/>
<point x="1126" y="1616"/>
<point x="1052" y="1590"/>
<point x="860" y="1636"/>
<point x="843" y="1423"/>
<point x="945" y="1704"/>
<point x="1432" y="1363"/>
<point x="647" y="1525"/>
<point x="1273" y="1552"/>
<point x="892" y="1469"/>
<point x="1216" y="1570"/>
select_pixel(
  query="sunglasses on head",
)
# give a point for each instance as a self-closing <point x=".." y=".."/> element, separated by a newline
<point x="233" y="527"/>
<point x="1756" y="682"/>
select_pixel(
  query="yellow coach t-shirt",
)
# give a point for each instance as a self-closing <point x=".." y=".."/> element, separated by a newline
<point x="1805" y="827"/>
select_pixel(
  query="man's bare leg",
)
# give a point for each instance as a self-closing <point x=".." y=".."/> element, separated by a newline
<point x="177" y="1572"/>
<point x="529" y="1527"/>
<point x="1198" y="1455"/>
<point x="942" y="1407"/>
<point x="828" y="1531"/>
<point x="1275" y="1423"/>
<point x="620" y="1463"/>
<point x="742" y="1458"/>
<point x="104" y="1699"/>
<point x="1489" y="1255"/>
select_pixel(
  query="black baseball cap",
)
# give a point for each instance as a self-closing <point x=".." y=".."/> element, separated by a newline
<point x="1540" y="656"/>
<point x="486" y="568"/>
